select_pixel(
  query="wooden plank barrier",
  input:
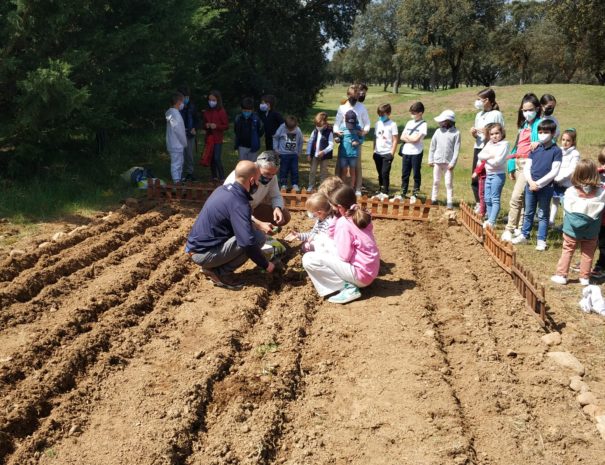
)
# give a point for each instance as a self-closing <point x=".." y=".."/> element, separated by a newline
<point x="294" y="201"/>
<point x="505" y="256"/>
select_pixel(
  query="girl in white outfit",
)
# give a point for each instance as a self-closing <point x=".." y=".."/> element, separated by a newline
<point x="443" y="154"/>
<point x="563" y="180"/>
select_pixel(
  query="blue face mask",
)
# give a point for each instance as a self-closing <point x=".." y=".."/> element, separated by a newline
<point x="383" y="118"/>
<point x="246" y="114"/>
<point x="186" y="100"/>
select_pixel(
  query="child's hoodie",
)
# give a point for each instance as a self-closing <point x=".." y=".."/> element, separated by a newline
<point x="176" y="138"/>
<point x="286" y="142"/>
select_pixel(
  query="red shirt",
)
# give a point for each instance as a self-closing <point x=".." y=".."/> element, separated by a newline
<point x="217" y="116"/>
<point x="524" y="142"/>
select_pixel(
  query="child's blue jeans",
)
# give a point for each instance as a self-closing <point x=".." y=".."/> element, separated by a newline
<point x="540" y="200"/>
<point x="288" y="164"/>
<point x="493" y="190"/>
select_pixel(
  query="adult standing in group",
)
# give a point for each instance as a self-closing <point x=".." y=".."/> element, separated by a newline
<point x="352" y="103"/>
<point x="266" y="202"/>
<point x="215" y="123"/>
<point x="270" y="117"/>
<point x="223" y="236"/>
<point x="191" y="119"/>
<point x="489" y="112"/>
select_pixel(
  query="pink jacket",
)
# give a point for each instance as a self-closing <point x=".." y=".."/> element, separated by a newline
<point x="357" y="247"/>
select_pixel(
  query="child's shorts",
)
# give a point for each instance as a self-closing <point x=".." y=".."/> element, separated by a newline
<point x="558" y="191"/>
<point x="345" y="162"/>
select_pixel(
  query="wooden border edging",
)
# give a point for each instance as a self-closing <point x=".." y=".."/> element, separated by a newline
<point x="505" y="256"/>
<point x="293" y="201"/>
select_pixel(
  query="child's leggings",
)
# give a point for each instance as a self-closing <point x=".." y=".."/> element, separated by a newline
<point x="482" y="205"/>
<point x="587" y="247"/>
<point x="440" y="170"/>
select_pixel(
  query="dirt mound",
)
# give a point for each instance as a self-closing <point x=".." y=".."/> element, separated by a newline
<point x="116" y="350"/>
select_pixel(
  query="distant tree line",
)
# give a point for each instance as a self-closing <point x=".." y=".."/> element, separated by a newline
<point x="435" y="44"/>
<point x="73" y="72"/>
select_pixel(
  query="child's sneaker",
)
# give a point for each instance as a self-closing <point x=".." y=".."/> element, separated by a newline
<point x="541" y="246"/>
<point x="450" y="206"/>
<point x="584" y="281"/>
<point x="506" y="236"/>
<point x="357" y="193"/>
<point x="597" y="272"/>
<point x="295" y="188"/>
<point x="283" y="187"/>
<point x="396" y="197"/>
<point x="517" y="232"/>
<point x="558" y="279"/>
<point x="413" y="199"/>
<point x="348" y="294"/>
<point x="521" y="239"/>
<point x="477" y="208"/>
<point x="310" y="189"/>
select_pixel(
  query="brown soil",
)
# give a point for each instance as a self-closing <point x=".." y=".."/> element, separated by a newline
<point x="115" y="350"/>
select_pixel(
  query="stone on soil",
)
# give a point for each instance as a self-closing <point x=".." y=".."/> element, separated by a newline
<point x="576" y="384"/>
<point x="586" y="398"/>
<point x="567" y="360"/>
<point x="552" y="339"/>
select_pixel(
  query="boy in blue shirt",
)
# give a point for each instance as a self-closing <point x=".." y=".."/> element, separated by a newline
<point x="540" y="170"/>
<point x="350" y="146"/>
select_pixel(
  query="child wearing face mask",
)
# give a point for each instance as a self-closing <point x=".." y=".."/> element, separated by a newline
<point x="176" y="137"/>
<point x="443" y="154"/>
<point x="248" y="129"/>
<point x="548" y="103"/>
<point x="215" y="122"/>
<point x="542" y="166"/>
<point x="385" y="145"/>
<point x="319" y="149"/>
<point x="270" y="117"/>
<point x="318" y="208"/>
<point x="583" y="204"/>
<point x="563" y="180"/>
<point x="288" y="143"/>
<point x="489" y="112"/>
<point x="528" y="120"/>
<point x="493" y="155"/>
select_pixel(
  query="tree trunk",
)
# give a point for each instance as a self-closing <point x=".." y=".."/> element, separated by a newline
<point x="601" y="77"/>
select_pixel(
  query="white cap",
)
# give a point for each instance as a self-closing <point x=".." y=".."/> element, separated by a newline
<point x="445" y="115"/>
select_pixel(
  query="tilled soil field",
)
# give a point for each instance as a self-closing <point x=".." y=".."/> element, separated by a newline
<point x="115" y="350"/>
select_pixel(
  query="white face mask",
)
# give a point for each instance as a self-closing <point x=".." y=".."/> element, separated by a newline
<point x="478" y="104"/>
<point x="529" y="115"/>
<point x="310" y="215"/>
<point x="543" y="138"/>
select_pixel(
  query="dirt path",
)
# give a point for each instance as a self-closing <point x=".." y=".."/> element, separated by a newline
<point x="115" y="350"/>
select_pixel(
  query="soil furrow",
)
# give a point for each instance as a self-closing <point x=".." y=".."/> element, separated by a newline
<point x="52" y="298"/>
<point x="76" y="319"/>
<point x="30" y="283"/>
<point x="22" y="410"/>
<point x="12" y="266"/>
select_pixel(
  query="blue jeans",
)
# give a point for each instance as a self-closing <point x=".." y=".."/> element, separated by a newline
<point x="288" y="164"/>
<point x="350" y="162"/>
<point x="493" y="189"/>
<point x="216" y="165"/>
<point x="541" y="200"/>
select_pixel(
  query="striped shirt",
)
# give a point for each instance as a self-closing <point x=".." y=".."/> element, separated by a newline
<point x="320" y="226"/>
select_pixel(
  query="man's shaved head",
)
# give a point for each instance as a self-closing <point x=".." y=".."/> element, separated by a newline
<point x="245" y="170"/>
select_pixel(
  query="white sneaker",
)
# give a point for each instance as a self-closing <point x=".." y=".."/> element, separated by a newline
<point x="348" y="294"/>
<point x="295" y="188"/>
<point x="413" y="199"/>
<point x="477" y="208"/>
<point x="517" y="232"/>
<point x="541" y="246"/>
<point x="584" y="281"/>
<point x="520" y="240"/>
<point x="450" y="206"/>
<point x="396" y="197"/>
<point x="283" y="187"/>
<point x="357" y="193"/>
<point x="310" y="189"/>
<point x="506" y="236"/>
<point x="558" y="279"/>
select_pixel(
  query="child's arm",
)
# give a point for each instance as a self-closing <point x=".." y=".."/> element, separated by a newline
<point x="432" y="150"/>
<point x="260" y="126"/>
<point x="565" y="173"/>
<point x="299" y="141"/>
<point x="276" y="137"/>
<point x="480" y="168"/>
<point x="456" y="151"/>
<point x="394" y="144"/>
<point x="550" y="176"/>
<point x="223" y="121"/>
<point x="309" y="145"/>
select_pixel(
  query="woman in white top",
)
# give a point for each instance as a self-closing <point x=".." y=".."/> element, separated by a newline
<point x="489" y="113"/>
<point x="352" y="103"/>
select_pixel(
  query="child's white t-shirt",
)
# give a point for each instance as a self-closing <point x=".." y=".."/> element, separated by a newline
<point x="482" y="119"/>
<point x="384" y="133"/>
<point x="413" y="128"/>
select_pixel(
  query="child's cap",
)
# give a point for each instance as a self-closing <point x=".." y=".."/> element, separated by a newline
<point x="351" y="119"/>
<point x="446" y="115"/>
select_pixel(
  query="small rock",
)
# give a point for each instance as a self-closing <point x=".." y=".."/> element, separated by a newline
<point x="511" y="353"/>
<point x="16" y="252"/>
<point x="429" y="333"/>
<point x="567" y="360"/>
<point x="76" y="230"/>
<point x="199" y="354"/>
<point x="601" y="429"/>
<point x="107" y="217"/>
<point x="552" y="339"/>
<point x="576" y="384"/>
<point x="590" y="410"/>
<point x="74" y="430"/>
<point x="53" y="309"/>
<point x="44" y="244"/>
<point x="245" y="429"/>
<point x="58" y="236"/>
<point x="586" y="398"/>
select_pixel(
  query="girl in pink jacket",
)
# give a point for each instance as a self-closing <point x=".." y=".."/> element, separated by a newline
<point x="356" y="260"/>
